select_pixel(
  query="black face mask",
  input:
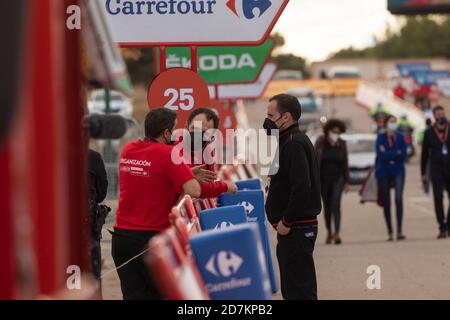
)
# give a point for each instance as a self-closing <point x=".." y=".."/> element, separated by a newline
<point x="197" y="140"/>
<point x="170" y="142"/>
<point x="270" y="125"/>
<point x="442" y="120"/>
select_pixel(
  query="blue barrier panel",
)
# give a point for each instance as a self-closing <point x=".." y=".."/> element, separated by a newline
<point x="219" y="218"/>
<point x="231" y="262"/>
<point x="253" y="202"/>
<point x="250" y="184"/>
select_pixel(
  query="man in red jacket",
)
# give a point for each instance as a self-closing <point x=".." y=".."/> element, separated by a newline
<point x="201" y="122"/>
<point x="150" y="184"/>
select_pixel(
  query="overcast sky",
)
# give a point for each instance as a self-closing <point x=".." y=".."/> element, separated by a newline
<point x="314" y="29"/>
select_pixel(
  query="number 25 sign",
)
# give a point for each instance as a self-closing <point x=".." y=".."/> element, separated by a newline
<point x="180" y="90"/>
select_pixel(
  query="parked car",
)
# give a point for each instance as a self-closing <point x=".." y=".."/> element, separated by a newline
<point x="344" y="72"/>
<point x="361" y="155"/>
<point x="288" y="75"/>
<point x="312" y="116"/>
<point x="119" y="104"/>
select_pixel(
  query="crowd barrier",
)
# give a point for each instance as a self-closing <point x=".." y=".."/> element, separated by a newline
<point x="253" y="202"/>
<point x="237" y="172"/>
<point x="231" y="262"/>
<point x="209" y="237"/>
<point x="220" y="218"/>
<point x="186" y="210"/>
<point x="171" y="258"/>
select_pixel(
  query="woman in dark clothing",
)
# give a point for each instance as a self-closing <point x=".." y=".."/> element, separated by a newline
<point x="334" y="175"/>
<point x="391" y="150"/>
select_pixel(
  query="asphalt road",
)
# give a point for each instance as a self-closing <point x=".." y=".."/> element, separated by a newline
<point x="417" y="268"/>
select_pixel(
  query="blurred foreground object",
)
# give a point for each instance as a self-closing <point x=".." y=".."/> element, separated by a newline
<point x="106" y="126"/>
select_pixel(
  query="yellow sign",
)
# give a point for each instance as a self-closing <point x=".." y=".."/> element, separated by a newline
<point x="335" y="87"/>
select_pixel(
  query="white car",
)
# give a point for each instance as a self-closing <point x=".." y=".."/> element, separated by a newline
<point x="119" y="104"/>
<point x="288" y="75"/>
<point x="361" y="155"/>
<point x="344" y="72"/>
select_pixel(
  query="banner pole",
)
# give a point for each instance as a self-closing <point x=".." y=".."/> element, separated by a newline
<point x="216" y="91"/>
<point x="194" y="58"/>
<point x="162" y="59"/>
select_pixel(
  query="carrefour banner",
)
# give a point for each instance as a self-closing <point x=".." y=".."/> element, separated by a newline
<point x="429" y="78"/>
<point x="418" y="6"/>
<point x="405" y="69"/>
<point x="192" y="22"/>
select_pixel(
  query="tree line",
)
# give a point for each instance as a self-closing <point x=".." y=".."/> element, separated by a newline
<point x="419" y="37"/>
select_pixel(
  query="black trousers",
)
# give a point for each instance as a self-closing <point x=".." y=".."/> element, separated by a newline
<point x="296" y="262"/>
<point x="96" y="257"/>
<point x="384" y="184"/>
<point x="440" y="182"/>
<point x="135" y="279"/>
<point x="332" y="194"/>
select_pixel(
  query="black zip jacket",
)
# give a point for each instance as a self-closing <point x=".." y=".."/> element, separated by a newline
<point x="294" y="191"/>
<point x="432" y="152"/>
<point x="98" y="180"/>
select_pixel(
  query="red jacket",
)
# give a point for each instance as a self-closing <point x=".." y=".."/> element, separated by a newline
<point x="399" y="92"/>
<point x="208" y="189"/>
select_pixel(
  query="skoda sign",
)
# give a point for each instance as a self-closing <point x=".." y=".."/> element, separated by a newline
<point x="246" y="90"/>
<point x="192" y="22"/>
<point x="223" y="64"/>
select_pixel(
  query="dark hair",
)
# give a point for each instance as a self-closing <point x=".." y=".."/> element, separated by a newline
<point x="334" y="123"/>
<point x="389" y="117"/>
<point x="209" y="114"/>
<point x="288" y="103"/>
<point x="157" y="121"/>
<point x="437" y="108"/>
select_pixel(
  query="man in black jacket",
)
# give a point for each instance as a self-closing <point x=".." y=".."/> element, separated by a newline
<point x="293" y="200"/>
<point x="436" y="152"/>
<point x="98" y="188"/>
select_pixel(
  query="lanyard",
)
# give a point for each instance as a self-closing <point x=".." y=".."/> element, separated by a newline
<point x="442" y="138"/>
<point x="391" y="141"/>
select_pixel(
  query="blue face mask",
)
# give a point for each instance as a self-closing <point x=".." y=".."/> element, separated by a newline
<point x="392" y="126"/>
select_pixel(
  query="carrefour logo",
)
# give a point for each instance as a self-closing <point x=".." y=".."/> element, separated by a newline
<point x="225" y="264"/>
<point x="160" y="7"/>
<point x="223" y="225"/>
<point x="249" y="209"/>
<point x="250" y="9"/>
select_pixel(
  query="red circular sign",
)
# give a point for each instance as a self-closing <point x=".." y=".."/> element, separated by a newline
<point x="226" y="115"/>
<point x="180" y="90"/>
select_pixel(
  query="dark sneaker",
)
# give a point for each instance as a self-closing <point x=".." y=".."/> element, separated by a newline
<point x="401" y="237"/>
<point x="442" y="235"/>
<point x="337" y="239"/>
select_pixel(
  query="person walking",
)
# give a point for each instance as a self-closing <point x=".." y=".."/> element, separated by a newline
<point x="293" y="199"/>
<point x="332" y="157"/>
<point x="435" y="153"/>
<point x="391" y="155"/>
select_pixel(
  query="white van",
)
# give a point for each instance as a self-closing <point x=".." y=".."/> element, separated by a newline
<point x="344" y="72"/>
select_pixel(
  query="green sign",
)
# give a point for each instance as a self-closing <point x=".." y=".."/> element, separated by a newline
<point x="418" y="7"/>
<point x="223" y="64"/>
